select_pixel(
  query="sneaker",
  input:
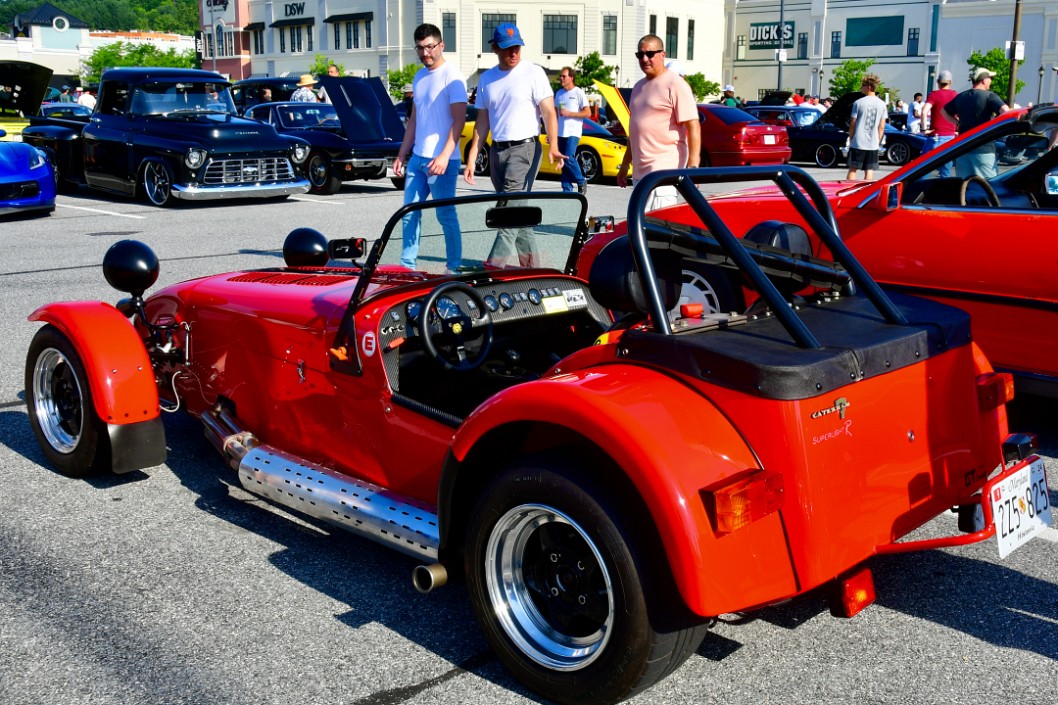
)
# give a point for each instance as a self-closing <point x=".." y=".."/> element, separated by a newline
<point x="582" y="188"/>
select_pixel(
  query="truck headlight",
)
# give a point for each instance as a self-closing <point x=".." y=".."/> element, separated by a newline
<point x="38" y="160"/>
<point x="195" y="158"/>
<point x="301" y="153"/>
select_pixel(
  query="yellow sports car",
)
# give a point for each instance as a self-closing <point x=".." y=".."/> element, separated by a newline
<point x="599" y="152"/>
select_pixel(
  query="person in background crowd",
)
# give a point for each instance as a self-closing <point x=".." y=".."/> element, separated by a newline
<point x="663" y="126"/>
<point x="86" y="98"/>
<point x="900" y="107"/>
<point x="866" y="130"/>
<point x="409" y="101"/>
<point x="729" y="98"/>
<point x="266" y="95"/>
<point x="797" y="98"/>
<point x="64" y="96"/>
<point x="572" y="107"/>
<point x="813" y="102"/>
<point x="332" y="70"/>
<point x="304" y="93"/>
<point x="914" y="114"/>
<point x="969" y="109"/>
<point x="513" y="97"/>
<point x="938" y="128"/>
<point x="429" y="154"/>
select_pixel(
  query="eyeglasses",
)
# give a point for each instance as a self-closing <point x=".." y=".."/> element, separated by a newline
<point x="426" y="47"/>
<point x="649" y="54"/>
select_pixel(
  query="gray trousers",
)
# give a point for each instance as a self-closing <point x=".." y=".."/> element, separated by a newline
<point x="514" y="169"/>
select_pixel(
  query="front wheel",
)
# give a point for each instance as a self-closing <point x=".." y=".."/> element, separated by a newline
<point x="826" y="155"/>
<point x="590" y="164"/>
<point x="561" y="587"/>
<point x="157" y="183"/>
<point x="398" y="182"/>
<point x="898" y="153"/>
<point x="320" y="174"/>
<point x="61" y="411"/>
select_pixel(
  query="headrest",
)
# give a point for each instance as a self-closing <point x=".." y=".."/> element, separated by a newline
<point x="615" y="283"/>
<point x="785" y="236"/>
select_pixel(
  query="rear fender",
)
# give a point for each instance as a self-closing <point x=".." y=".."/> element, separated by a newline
<point x="116" y="363"/>
<point x="670" y="442"/>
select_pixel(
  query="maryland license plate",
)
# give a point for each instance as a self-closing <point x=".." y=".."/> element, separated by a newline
<point x="1021" y="506"/>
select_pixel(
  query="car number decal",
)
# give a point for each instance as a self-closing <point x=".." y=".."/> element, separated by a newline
<point x="555" y="304"/>
<point x="368" y="344"/>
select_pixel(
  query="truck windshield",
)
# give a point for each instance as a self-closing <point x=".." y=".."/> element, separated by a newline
<point x="182" y="98"/>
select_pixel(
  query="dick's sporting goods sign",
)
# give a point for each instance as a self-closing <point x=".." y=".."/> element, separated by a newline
<point x="765" y="35"/>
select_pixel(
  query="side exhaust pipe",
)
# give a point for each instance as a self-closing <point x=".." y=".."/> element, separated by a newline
<point x="428" y="577"/>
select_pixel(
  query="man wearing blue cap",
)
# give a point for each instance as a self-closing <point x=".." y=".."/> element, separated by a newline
<point x="65" y="96"/>
<point x="512" y="98"/>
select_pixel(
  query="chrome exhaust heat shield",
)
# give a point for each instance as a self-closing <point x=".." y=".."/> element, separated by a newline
<point x="371" y="511"/>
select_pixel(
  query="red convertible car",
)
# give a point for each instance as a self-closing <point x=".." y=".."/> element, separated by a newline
<point x="605" y="484"/>
<point x="985" y="242"/>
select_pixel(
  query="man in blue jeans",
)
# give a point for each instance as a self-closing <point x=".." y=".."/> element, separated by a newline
<point x="430" y="151"/>
<point x="572" y="107"/>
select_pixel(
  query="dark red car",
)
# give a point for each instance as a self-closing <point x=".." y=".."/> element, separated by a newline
<point x="733" y="137"/>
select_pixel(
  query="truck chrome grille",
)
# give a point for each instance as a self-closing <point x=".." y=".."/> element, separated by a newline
<point x="243" y="171"/>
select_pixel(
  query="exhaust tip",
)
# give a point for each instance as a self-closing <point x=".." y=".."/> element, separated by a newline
<point x="426" y="578"/>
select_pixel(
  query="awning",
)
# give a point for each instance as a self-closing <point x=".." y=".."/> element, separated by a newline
<point x="254" y="26"/>
<point x="352" y="17"/>
<point x="294" y="21"/>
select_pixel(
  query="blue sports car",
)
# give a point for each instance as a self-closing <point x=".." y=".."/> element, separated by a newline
<point x="27" y="180"/>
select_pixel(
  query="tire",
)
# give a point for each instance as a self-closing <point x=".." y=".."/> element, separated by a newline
<point x="73" y="438"/>
<point x="898" y="154"/>
<point x="156" y="179"/>
<point x="61" y="184"/>
<point x="711" y="286"/>
<point x="320" y="174"/>
<point x="575" y="621"/>
<point x="704" y="160"/>
<point x="398" y="182"/>
<point x="481" y="164"/>
<point x="826" y="156"/>
<point x="590" y="164"/>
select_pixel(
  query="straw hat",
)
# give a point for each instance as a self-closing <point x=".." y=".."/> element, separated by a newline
<point x="306" y="80"/>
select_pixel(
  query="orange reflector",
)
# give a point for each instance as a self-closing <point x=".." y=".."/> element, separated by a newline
<point x="994" y="389"/>
<point x="746" y="500"/>
<point x="852" y="593"/>
<point x="691" y="310"/>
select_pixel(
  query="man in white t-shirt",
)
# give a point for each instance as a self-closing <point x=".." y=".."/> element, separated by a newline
<point x="429" y="154"/>
<point x="572" y="106"/>
<point x="512" y="98"/>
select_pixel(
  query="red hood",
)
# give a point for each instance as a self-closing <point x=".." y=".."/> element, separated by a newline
<point x="834" y="190"/>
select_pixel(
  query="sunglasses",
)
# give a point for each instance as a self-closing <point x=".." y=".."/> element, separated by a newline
<point x="649" y="54"/>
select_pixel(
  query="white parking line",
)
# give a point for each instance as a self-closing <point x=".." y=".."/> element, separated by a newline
<point x="100" y="210"/>
<point x="316" y="200"/>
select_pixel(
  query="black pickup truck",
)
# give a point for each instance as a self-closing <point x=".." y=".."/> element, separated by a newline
<point x="170" y="134"/>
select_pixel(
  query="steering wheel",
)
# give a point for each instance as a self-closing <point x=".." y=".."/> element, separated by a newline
<point x="990" y="193"/>
<point x="456" y="329"/>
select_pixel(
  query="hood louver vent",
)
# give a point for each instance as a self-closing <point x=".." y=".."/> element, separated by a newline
<point x="289" y="278"/>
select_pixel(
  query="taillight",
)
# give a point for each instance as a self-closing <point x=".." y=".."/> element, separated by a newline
<point x="741" y="137"/>
<point x="852" y="593"/>
<point x="744" y="500"/>
<point x="994" y="389"/>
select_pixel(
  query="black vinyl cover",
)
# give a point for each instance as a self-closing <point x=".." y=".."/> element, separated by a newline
<point x="760" y="358"/>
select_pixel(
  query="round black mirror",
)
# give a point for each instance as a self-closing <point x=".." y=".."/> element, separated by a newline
<point x="130" y="266"/>
<point x="305" y="247"/>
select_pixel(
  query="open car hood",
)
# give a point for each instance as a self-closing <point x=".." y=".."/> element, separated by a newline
<point x="364" y="108"/>
<point x="776" y="98"/>
<point x="840" y="112"/>
<point x="28" y="83"/>
<point x="615" y="104"/>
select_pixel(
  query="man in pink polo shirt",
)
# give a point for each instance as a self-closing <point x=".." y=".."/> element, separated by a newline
<point x="663" y="123"/>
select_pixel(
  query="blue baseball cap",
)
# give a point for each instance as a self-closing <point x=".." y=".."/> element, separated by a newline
<point x="506" y="36"/>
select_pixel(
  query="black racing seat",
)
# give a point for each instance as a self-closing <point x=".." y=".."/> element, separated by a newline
<point x="615" y="283"/>
<point x="783" y="236"/>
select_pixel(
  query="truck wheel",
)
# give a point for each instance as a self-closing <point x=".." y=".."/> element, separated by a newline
<point x="322" y="180"/>
<point x="158" y="183"/>
<point x="61" y="413"/>
<point x="558" y="584"/>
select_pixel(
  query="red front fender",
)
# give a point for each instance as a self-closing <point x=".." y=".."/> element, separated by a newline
<point x="116" y="363"/>
<point x="671" y="442"/>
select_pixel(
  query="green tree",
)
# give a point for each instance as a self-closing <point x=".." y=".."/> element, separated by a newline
<point x="590" y="67"/>
<point x="997" y="62"/>
<point x="701" y="88"/>
<point x="179" y="16"/>
<point x="129" y="54"/>
<point x="400" y="77"/>
<point x="319" y="65"/>
<point x="848" y="78"/>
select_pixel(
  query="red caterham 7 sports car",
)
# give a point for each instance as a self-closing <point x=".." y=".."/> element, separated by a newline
<point x="608" y="469"/>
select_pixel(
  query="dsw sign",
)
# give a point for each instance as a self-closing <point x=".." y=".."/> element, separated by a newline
<point x="294" y="9"/>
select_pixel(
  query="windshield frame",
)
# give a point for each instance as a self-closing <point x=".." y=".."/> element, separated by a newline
<point x="181" y="97"/>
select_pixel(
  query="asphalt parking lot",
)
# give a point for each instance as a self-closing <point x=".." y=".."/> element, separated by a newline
<point x="173" y="585"/>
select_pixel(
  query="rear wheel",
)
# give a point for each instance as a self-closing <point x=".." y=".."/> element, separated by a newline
<point x="826" y="155"/>
<point x="562" y="587"/>
<point x="590" y="164"/>
<point x="481" y="164"/>
<point x="157" y="182"/>
<point x="61" y="411"/>
<point x="898" y="154"/>
<point x="320" y="173"/>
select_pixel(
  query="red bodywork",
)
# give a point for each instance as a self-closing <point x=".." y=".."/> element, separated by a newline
<point x="733" y="137"/>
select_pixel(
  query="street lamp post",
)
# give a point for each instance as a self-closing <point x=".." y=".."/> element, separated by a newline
<point x="782" y="43"/>
<point x="1039" y="89"/>
<point x="1013" y="87"/>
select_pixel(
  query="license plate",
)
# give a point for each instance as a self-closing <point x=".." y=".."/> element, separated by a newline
<point x="1021" y="506"/>
<point x="769" y="139"/>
